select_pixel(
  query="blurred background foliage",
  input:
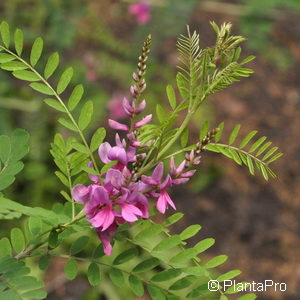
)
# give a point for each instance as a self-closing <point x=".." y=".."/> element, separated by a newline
<point x="102" y="39"/>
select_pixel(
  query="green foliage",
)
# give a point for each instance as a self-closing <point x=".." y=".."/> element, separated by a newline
<point x="256" y="154"/>
<point x="12" y="150"/>
<point x="15" y="282"/>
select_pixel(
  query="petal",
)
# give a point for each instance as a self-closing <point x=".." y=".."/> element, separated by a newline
<point x="114" y="177"/>
<point x="103" y="219"/>
<point x="158" y="172"/>
<point x="116" y="125"/>
<point x="130" y="212"/>
<point x="143" y="122"/>
<point x="167" y="183"/>
<point x="169" y="200"/>
<point x="188" y="174"/>
<point x="118" y="153"/>
<point x="80" y="193"/>
<point x="161" y="204"/>
<point x="92" y="177"/>
<point x="103" y="152"/>
<point x="180" y="180"/>
<point x="172" y="167"/>
<point x="149" y="180"/>
<point x="141" y="107"/>
<point x="127" y="107"/>
<point x="180" y="167"/>
<point x="131" y="151"/>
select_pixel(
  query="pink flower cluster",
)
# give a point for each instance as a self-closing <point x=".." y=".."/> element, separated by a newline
<point x="141" y="11"/>
<point x="120" y="196"/>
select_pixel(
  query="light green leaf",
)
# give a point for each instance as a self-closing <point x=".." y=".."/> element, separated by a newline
<point x="36" y="51"/>
<point x="229" y="275"/>
<point x="55" y="104"/>
<point x="17" y="239"/>
<point x="26" y="75"/>
<point x="4" y="58"/>
<point x="35" y="225"/>
<point x="64" y="80"/>
<point x="204" y="130"/>
<point x="19" y="41"/>
<point x="42" y="88"/>
<point x="171" y="96"/>
<point x="5" y="148"/>
<point x="13" y="66"/>
<point x="75" y="96"/>
<point x="216" y="261"/>
<point x="263" y="148"/>
<point x="184" y="138"/>
<point x="52" y="64"/>
<point x="173" y="219"/>
<point x="190" y="231"/>
<point x="5" y="247"/>
<point x="97" y="139"/>
<point x="234" y="134"/>
<point x="85" y="115"/>
<point x="257" y="144"/>
<point x="270" y="153"/>
<point x="250" y="165"/>
<point x="5" y="34"/>
<point x="220" y="132"/>
<point x="168" y="243"/>
<point x="36" y="294"/>
<point x="247" y="139"/>
<point x="183" y="256"/>
<point x="248" y="297"/>
<point x="68" y="124"/>
<point x="204" y="245"/>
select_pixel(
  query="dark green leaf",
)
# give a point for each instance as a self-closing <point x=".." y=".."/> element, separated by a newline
<point x="5" y="247"/>
<point x="93" y="274"/>
<point x="53" y="239"/>
<point x="79" y="245"/>
<point x="136" y="285"/>
<point x="166" y="275"/>
<point x="155" y="292"/>
<point x="125" y="256"/>
<point x="71" y="269"/>
<point x="146" y="265"/>
<point x="182" y="283"/>
<point x="116" y="277"/>
<point x="44" y="262"/>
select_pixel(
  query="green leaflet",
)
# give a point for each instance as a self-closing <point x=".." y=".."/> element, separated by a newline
<point x="12" y="150"/>
<point x="85" y="116"/>
<point x="71" y="269"/>
<point x="36" y="51"/>
<point x="64" y="80"/>
<point x="52" y="64"/>
<point x="19" y="41"/>
<point x="93" y="274"/>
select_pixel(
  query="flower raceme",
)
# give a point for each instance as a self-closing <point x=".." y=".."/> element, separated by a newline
<point x="121" y="197"/>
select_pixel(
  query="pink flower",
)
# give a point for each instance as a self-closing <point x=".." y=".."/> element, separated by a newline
<point x="156" y="180"/>
<point x="115" y="108"/>
<point x="177" y="174"/>
<point x="106" y="236"/>
<point x="141" y="11"/>
<point x="163" y="201"/>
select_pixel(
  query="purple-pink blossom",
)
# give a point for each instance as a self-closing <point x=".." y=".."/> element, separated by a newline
<point x="141" y="11"/>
